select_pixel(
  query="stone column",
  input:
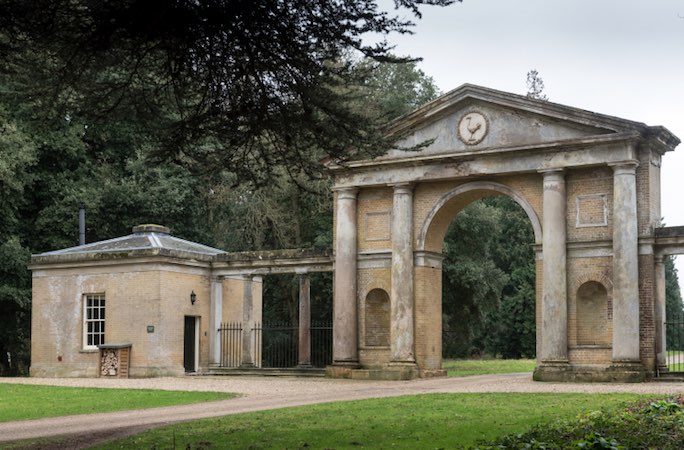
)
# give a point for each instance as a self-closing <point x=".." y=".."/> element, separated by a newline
<point x="345" y="322"/>
<point x="215" y="316"/>
<point x="304" y="320"/>
<point x="660" y="332"/>
<point x="625" y="264"/>
<point x="247" y="323"/>
<point x="554" y="332"/>
<point x="401" y="296"/>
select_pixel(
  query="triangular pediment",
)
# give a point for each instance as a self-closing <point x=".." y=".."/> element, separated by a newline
<point x="472" y="119"/>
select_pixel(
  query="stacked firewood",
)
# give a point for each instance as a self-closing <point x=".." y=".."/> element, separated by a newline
<point x="109" y="364"/>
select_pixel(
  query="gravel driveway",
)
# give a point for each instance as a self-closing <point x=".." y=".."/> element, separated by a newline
<point x="261" y="393"/>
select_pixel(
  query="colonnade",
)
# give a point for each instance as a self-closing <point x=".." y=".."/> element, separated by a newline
<point x="248" y="321"/>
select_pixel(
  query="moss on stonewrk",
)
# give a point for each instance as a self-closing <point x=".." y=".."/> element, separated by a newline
<point x="655" y="424"/>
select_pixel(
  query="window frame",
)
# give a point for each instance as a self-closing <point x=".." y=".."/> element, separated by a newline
<point x="100" y="319"/>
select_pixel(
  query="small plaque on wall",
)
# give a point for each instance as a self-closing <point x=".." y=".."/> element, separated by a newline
<point x="150" y="328"/>
<point x="592" y="210"/>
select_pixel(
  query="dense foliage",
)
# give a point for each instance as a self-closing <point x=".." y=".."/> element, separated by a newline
<point x="245" y="86"/>
<point x="48" y="169"/>
<point x="656" y="424"/>
<point x="674" y="307"/>
<point x="488" y="283"/>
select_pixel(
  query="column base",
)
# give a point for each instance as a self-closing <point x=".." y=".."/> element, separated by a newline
<point x="341" y="369"/>
<point x="662" y="368"/>
<point x="618" y="372"/>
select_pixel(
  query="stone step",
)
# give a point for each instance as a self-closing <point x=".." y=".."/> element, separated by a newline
<point x="672" y="377"/>
<point x="268" y="372"/>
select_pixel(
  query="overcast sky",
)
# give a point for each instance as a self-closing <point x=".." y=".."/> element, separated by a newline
<point x="622" y="58"/>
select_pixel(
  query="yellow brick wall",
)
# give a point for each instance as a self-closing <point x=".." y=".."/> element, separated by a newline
<point x="174" y="306"/>
<point x="592" y="189"/>
<point x="373" y="219"/>
<point x="377" y="319"/>
<point x="428" y="317"/>
<point x="584" y="324"/>
<point x="367" y="280"/>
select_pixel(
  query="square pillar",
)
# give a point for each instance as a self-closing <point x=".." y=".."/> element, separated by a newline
<point x="215" y="315"/>
<point x="660" y="332"/>
<point x="247" y="323"/>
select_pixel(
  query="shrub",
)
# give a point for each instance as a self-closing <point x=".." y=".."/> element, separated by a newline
<point x="656" y="424"/>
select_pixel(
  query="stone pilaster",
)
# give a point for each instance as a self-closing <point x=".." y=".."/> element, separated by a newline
<point x="304" y="320"/>
<point x="345" y="322"/>
<point x="247" y="323"/>
<point x="401" y="296"/>
<point x="660" y="332"/>
<point x="215" y="315"/>
<point x="625" y="264"/>
<point x="554" y="333"/>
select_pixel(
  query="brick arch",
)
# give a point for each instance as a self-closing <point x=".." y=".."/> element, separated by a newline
<point x="594" y="275"/>
<point x="441" y="214"/>
<point x="377" y="318"/>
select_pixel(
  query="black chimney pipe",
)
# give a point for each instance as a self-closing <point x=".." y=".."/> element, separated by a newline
<point x="81" y="225"/>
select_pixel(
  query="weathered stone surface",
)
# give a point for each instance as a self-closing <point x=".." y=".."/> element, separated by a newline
<point x="593" y="213"/>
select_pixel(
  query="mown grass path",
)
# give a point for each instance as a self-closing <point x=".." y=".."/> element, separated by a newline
<point x="259" y="394"/>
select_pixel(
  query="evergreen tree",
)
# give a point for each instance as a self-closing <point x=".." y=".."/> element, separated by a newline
<point x="674" y="307"/>
<point x="535" y="85"/>
<point x="243" y="86"/>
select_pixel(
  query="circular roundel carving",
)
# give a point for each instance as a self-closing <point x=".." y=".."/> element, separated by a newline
<point x="472" y="128"/>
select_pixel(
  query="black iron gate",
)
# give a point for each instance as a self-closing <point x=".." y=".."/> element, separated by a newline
<point x="321" y="344"/>
<point x="674" y="332"/>
<point x="230" y="336"/>
<point x="276" y="345"/>
<point x="279" y="345"/>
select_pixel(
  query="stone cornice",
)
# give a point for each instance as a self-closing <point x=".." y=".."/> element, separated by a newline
<point x="554" y="146"/>
<point x="262" y="262"/>
<point x="469" y="93"/>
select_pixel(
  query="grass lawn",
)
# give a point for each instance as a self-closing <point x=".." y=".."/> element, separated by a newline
<point x="23" y="401"/>
<point x="422" y="421"/>
<point x="465" y="367"/>
<point x="678" y="364"/>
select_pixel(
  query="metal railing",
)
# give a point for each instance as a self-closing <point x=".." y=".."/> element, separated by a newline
<point x="321" y="344"/>
<point x="674" y="332"/>
<point x="230" y="336"/>
<point x="275" y="345"/>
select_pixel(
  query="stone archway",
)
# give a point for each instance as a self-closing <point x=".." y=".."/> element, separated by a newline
<point x="428" y="270"/>
<point x="589" y="184"/>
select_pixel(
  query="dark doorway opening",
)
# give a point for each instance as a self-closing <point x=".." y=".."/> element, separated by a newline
<point x="190" y="344"/>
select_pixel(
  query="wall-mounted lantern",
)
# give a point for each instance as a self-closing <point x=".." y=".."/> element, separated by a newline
<point x="193" y="297"/>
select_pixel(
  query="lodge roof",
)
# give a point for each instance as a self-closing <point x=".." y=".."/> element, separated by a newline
<point x="144" y="237"/>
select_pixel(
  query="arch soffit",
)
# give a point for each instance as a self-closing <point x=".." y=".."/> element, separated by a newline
<point x="480" y="186"/>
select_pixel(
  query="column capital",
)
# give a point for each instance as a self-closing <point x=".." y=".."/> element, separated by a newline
<point x="347" y="193"/>
<point x="627" y="167"/>
<point x="659" y="259"/>
<point x="217" y="278"/>
<point x="402" y="188"/>
<point x="555" y="173"/>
